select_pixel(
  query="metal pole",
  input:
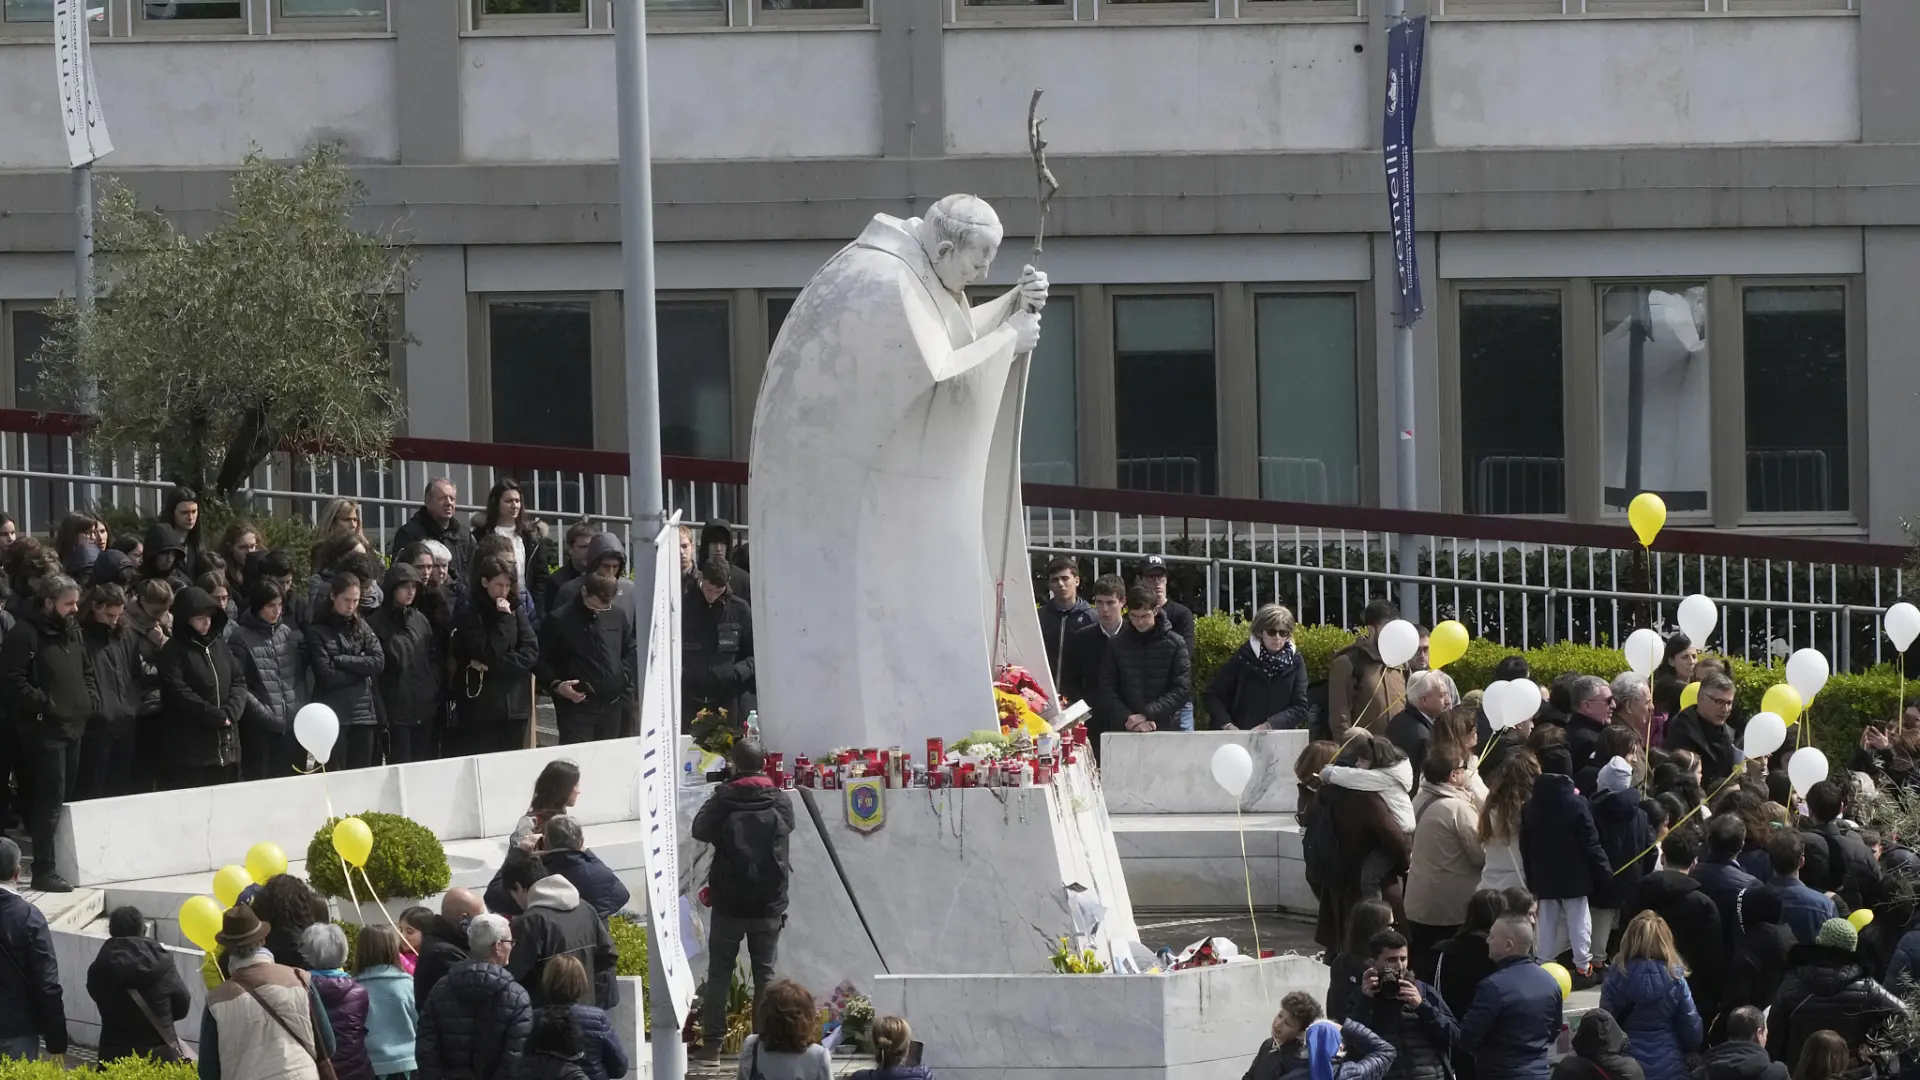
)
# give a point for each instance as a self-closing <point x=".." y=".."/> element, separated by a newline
<point x="83" y="236"/>
<point x="1406" y="460"/>
<point x="646" y="501"/>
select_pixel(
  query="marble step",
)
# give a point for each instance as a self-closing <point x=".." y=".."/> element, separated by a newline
<point x="1192" y="862"/>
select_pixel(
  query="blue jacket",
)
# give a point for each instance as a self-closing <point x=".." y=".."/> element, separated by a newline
<point x="1559" y="843"/>
<point x="30" y="995"/>
<point x="599" y="887"/>
<point x="1722" y="881"/>
<point x="1423" y="1035"/>
<point x="1624" y="834"/>
<point x="1905" y="963"/>
<point x="1655" y="1008"/>
<point x="1514" y="1021"/>
<point x="602" y="1057"/>
<point x="393" y="1020"/>
<point x="1802" y="909"/>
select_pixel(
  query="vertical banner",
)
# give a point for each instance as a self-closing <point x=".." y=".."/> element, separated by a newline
<point x="1406" y="49"/>
<point x="80" y="112"/>
<point x="660" y="770"/>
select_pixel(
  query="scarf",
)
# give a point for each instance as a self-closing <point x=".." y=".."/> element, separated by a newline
<point x="1272" y="664"/>
<point x="1323" y="1044"/>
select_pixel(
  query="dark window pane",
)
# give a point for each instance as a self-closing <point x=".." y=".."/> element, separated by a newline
<point x="1654" y="379"/>
<point x="811" y="5"/>
<point x="696" y="381"/>
<point x="1168" y="436"/>
<point x="1050" y="432"/>
<point x="777" y="309"/>
<point x="30" y="328"/>
<point x="193" y="9"/>
<point x="1512" y="433"/>
<point x="542" y="360"/>
<point x="531" y="7"/>
<point x="1796" y="375"/>
<point x="318" y="9"/>
<point x="1309" y="398"/>
<point x="26" y="11"/>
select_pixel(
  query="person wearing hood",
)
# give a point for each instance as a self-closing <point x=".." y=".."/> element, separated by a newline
<point x="748" y="822"/>
<point x="554" y="922"/>
<point x="607" y="558"/>
<point x="137" y="991"/>
<point x="1703" y="728"/>
<point x="202" y="696"/>
<point x="565" y="853"/>
<point x="271" y="664"/>
<point x="1828" y="990"/>
<point x="164" y="556"/>
<point x="80" y="561"/>
<point x="113" y="650"/>
<point x="346" y="659"/>
<point x="1062" y="613"/>
<point x="716" y="648"/>
<point x="1599" y="1052"/>
<point x="476" y="1020"/>
<point x="409" y="684"/>
<point x="180" y="512"/>
<point x="1361" y="689"/>
<point x="578" y="545"/>
<point x="589" y="662"/>
<point x="1743" y="1056"/>
<point x="438" y="947"/>
<point x="1564" y="881"/>
<point x="437" y="519"/>
<point x="1146" y="677"/>
<point x="114" y="568"/>
<point x="494" y="650"/>
<point x="1646" y="990"/>
<point x="716" y="541"/>
<point x="1626" y="837"/>
<point x="46" y="680"/>
<point x="1263" y="685"/>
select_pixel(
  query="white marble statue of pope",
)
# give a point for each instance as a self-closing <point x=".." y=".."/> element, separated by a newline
<point x="884" y="496"/>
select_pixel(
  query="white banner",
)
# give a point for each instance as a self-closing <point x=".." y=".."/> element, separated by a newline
<point x="660" y="772"/>
<point x="86" y="127"/>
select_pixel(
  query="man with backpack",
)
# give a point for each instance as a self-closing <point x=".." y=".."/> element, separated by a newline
<point x="747" y="820"/>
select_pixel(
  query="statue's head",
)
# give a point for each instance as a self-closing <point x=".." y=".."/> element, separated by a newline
<point x="961" y="234"/>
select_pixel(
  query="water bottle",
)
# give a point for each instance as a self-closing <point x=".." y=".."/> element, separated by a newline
<point x="753" y="726"/>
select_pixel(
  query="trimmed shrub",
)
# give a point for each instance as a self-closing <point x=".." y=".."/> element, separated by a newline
<point x="630" y="945"/>
<point x="278" y="532"/>
<point x="407" y="861"/>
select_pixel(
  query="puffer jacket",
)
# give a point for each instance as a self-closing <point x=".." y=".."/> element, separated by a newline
<point x="1624" y="835"/>
<point x="1655" y="1008"/>
<point x="1826" y="990"/>
<point x="118" y="675"/>
<point x="1422" y="1034"/>
<point x="143" y="966"/>
<point x="504" y="642"/>
<point x="1146" y="673"/>
<point x="1741" y="1060"/>
<point x="273" y="668"/>
<point x="1599" y="1052"/>
<point x="439" y="955"/>
<point x="410" y="682"/>
<point x="346" y="659"/>
<point x="1696" y="926"/>
<point x="1361" y="689"/>
<point x="551" y="1067"/>
<point x="346" y="1003"/>
<point x="1514" y="1021"/>
<point x="474" y="1026"/>
<point x="1257" y="686"/>
<point x="201" y="693"/>
<point x="602" y="1056"/>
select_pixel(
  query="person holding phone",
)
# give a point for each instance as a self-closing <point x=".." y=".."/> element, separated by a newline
<point x="895" y="1055"/>
<point x="588" y="662"/>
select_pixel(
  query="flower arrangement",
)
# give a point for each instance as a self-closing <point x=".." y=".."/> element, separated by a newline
<point x="1084" y="962"/>
<point x="985" y="745"/>
<point x="714" y="732"/>
<point x="1016" y="714"/>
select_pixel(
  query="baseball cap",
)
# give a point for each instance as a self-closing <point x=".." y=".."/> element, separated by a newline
<point x="1153" y="565"/>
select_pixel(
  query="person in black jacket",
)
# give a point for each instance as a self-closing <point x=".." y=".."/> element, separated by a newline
<point x="716" y="542"/>
<point x="1404" y="1011"/>
<point x="1599" y="1052"/>
<point x="589" y="663"/>
<point x="506" y="515"/>
<point x="1153" y="575"/>
<point x="476" y="1019"/>
<point x="164" y="557"/>
<point x="565" y="853"/>
<point x="1855" y="875"/>
<point x="439" y="945"/>
<point x="1828" y="990"/>
<point x="1429" y="695"/>
<point x="409" y="683"/>
<point x="1062" y="614"/>
<point x="131" y="963"/>
<point x="106" y="751"/>
<point x="1263" y="685"/>
<point x="578" y="562"/>
<point x="346" y="660"/>
<point x="1743" y="1056"/>
<point x="716" y="648"/>
<point x="1562" y="878"/>
<point x="437" y="520"/>
<point x="1720" y="876"/>
<point x="1592" y="700"/>
<point x="494" y="651"/>
<point x="747" y="820"/>
<point x="270" y="662"/>
<point x="1627" y="837"/>
<point x="554" y="921"/>
<point x="49" y="691"/>
<point x="1702" y="728"/>
<point x="1086" y="649"/>
<point x="1690" y="913"/>
<point x="201" y="695"/>
<point x="31" y="1006"/>
<point x="1145" y="679"/>
<point x="277" y="567"/>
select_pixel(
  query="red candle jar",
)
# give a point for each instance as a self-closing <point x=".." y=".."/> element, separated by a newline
<point x="936" y="753"/>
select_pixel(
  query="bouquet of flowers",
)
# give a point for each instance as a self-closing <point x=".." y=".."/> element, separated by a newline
<point x="714" y="732"/>
<point x="1017" y="714"/>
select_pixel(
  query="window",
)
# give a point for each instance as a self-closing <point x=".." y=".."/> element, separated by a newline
<point x="541" y="377"/>
<point x="533" y="7"/>
<point x="1307" y="365"/>
<point x="1167" y="432"/>
<point x="195" y="11"/>
<point x="1050" y="430"/>
<point x="1795" y="338"/>
<point x="26" y="11"/>
<point x="26" y="331"/>
<point x="1512" y="432"/>
<point x="696" y="378"/>
<point x="812" y="5"/>
<point x="1638" y="7"/>
<point x="778" y="308"/>
<point x="1653" y="386"/>
<point x="333" y="9"/>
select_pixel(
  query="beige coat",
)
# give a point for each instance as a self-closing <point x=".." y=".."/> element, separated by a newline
<point x="1362" y="691"/>
<point x="1447" y="857"/>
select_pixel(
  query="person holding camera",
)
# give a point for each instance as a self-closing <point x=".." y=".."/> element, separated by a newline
<point x="1404" y="1011"/>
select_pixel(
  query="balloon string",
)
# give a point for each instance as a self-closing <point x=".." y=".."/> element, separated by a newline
<point x="383" y="910"/>
<point x="1247" y="872"/>
<point x="1651" y="848"/>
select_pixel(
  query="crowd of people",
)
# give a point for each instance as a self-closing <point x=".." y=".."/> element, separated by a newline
<point x="178" y="658"/>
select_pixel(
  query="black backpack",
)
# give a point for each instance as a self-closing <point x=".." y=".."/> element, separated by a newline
<point x="750" y="861"/>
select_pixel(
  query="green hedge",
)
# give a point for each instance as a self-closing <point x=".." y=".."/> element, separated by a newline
<point x="1847" y="703"/>
<point x="630" y="945"/>
<point x="278" y="532"/>
<point x="407" y="861"/>
<point x="124" y="1069"/>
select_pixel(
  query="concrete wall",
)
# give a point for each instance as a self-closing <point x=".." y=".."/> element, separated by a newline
<point x="75" y="952"/>
<point x="1641" y="82"/>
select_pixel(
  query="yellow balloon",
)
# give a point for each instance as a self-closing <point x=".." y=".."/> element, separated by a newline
<point x="1560" y="975"/>
<point x="1861" y="918"/>
<point x="1783" y="701"/>
<point x="265" y="860"/>
<point x="1447" y="643"/>
<point x="1689" y="694"/>
<point x="1647" y="514"/>
<point x="200" y="920"/>
<point x="353" y="840"/>
<point x="228" y="883"/>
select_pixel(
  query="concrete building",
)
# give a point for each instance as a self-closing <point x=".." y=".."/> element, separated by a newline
<point x="1668" y="244"/>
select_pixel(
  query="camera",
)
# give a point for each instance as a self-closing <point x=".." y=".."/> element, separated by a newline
<point x="1389" y="984"/>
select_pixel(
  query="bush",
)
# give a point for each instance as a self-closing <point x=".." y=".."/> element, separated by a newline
<point x="292" y="535"/>
<point x="630" y="943"/>
<point x="407" y="861"/>
<point x="124" y="1069"/>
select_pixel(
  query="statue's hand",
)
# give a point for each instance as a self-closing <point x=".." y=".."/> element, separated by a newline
<point x="1026" y="330"/>
<point x="1033" y="288"/>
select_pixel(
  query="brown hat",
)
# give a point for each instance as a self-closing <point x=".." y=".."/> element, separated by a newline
<point x="240" y="928"/>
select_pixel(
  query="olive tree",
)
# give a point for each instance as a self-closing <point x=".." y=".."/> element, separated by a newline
<point x="210" y="350"/>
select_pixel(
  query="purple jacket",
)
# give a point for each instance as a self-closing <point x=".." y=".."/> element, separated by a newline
<point x="346" y="1003"/>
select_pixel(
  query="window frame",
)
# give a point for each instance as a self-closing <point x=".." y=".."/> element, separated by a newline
<point x="1717" y="332"/>
<point x="278" y="22"/>
<point x="1856" y="366"/>
<point x="535" y="23"/>
<point x="1453" y="480"/>
<point x="9" y="363"/>
<point x="1179" y="11"/>
<point x="40" y="29"/>
<point x="480" y="364"/>
<point x="759" y="17"/>
<point x="1366" y="381"/>
<point x="140" y="26"/>
<point x="1216" y="294"/>
<point x="729" y="300"/>
<point x="958" y="13"/>
<point x="1501" y="10"/>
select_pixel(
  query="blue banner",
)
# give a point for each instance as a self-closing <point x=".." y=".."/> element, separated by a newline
<point x="1406" y="49"/>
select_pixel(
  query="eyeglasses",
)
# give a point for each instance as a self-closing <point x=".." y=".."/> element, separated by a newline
<point x="1723" y="702"/>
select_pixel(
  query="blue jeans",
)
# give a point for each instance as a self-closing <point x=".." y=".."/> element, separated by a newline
<point x="23" y="1047"/>
<point x="1186" y="717"/>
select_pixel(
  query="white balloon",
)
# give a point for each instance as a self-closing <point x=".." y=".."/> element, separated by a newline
<point x="1903" y="625"/>
<point x="1698" y="616"/>
<point x="1644" y="650"/>
<point x="1765" y="732"/>
<point x="1511" y="702"/>
<point x="317" y="728"/>
<point x="1806" y="768"/>
<point x="1807" y="672"/>
<point x="1232" y="768"/>
<point x="1398" y="642"/>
